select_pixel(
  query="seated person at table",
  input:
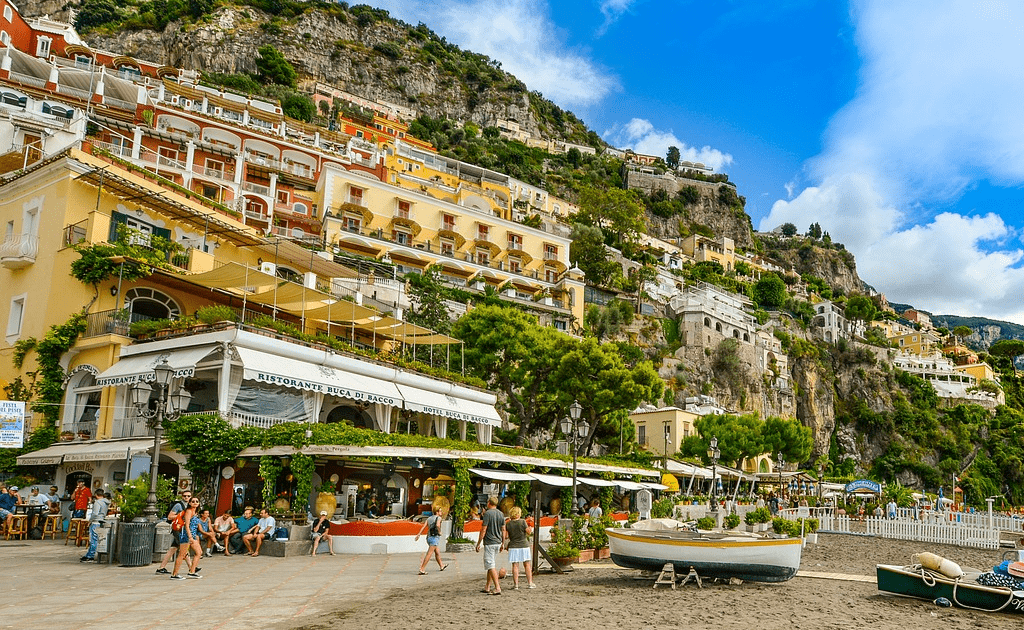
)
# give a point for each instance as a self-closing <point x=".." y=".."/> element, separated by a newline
<point x="37" y="499"/>
<point x="53" y="500"/>
<point x="243" y="525"/>
<point x="264" y="530"/>
<point x="224" y="528"/>
<point x="8" y="499"/>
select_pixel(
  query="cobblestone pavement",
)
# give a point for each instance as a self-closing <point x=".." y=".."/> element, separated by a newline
<point x="43" y="585"/>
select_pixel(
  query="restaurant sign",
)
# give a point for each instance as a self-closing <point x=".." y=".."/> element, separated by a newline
<point x="12" y="424"/>
<point x="864" y="484"/>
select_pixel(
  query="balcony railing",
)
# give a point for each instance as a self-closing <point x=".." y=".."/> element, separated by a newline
<point x="356" y="201"/>
<point x="257" y="216"/>
<point x="256" y="188"/>
<point x="19" y="250"/>
<point x="75" y="233"/>
<point x="112" y="322"/>
<point x="131" y="427"/>
<point x="225" y="174"/>
<point x="85" y="430"/>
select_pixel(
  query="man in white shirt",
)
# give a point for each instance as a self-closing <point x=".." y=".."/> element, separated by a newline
<point x="37" y="499"/>
<point x="264" y="530"/>
<point x="53" y="500"/>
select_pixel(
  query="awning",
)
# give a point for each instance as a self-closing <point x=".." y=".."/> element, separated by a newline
<point x="553" y="480"/>
<point x="628" y="485"/>
<point x="446" y="406"/>
<point x="500" y="475"/>
<point x="133" y="369"/>
<point x="597" y="483"/>
<point x="104" y="450"/>
<point x="653" y="486"/>
<point x="274" y="369"/>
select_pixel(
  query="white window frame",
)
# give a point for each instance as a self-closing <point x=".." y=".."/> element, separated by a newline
<point x="16" y="317"/>
<point x="8" y="13"/>
<point x="43" y="46"/>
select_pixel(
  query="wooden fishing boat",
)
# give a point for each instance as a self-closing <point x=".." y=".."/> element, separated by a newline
<point x="963" y="592"/>
<point x="711" y="555"/>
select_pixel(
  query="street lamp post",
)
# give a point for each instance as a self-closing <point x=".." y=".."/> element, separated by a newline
<point x="713" y="454"/>
<point x="781" y="462"/>
<point x="575" y="430"/>
<point x="179" y="400"/>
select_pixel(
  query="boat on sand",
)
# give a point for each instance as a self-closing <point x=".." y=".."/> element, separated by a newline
<point x="963" y="591"/>
<point x="649" y="546"/>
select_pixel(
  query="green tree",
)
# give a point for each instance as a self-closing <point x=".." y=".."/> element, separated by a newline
<point x="596" y="376"/>
<point x="672" y="158"/>
<point x="787" y="435"/>
<point x="770" y="292"/>
<point x="299" y="107"/>
<point x="511" y="352"/>
<point x="814" y="231"/>
<point x="606" y="321"/>
<point x="426" y="297"/>
<point x="860" y="307"/>
<point x="962" y="332"/>
<point x="93" y="13"/>
<point x="587" y="251"/>
<point x="272" y="66"/>
<point x="616" y="209"/>
<point x="739" y="437"/>
<point x="1009" y="348"/>
<point x="788" y="229"/>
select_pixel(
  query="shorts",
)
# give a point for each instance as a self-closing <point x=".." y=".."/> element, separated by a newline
<point x="4" y="514"/>
<point x="491" y="556"/>
<point x="433" y="541"/>
<point x="518" y="554"/>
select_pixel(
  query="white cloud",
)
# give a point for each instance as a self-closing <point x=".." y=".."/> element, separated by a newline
<point x="937" y="111"/>
<point x="519" y="34"/>
<point x="641" y="136"/>
<point x="612" y="10"/>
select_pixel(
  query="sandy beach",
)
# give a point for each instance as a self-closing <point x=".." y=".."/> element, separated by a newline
<point x="600" y="595"/>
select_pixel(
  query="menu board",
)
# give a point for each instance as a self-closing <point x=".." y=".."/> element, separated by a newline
<point x="12" y="424"/>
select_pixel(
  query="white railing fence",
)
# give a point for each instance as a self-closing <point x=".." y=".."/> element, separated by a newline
<point x="939" y="532"/>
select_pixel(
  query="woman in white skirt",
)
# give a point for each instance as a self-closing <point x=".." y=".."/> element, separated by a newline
<point x="517" y="532"/>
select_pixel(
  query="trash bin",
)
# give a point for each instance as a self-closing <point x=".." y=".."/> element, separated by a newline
<point x="137" y="543"/>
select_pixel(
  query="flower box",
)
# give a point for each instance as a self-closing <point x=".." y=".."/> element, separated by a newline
<point x="586" y="555"/>
<point x="603" y="553"/>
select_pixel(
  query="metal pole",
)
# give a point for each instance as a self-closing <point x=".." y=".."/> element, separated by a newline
<point x="154" y="465"/>
<point x="574" y="448"/>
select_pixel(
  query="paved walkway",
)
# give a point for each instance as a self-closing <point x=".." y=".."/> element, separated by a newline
<point x="43" y="585"/>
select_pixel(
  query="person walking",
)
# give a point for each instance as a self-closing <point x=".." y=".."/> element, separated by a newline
<point x="518" y="532"/>
<point x="179" y="505"/>
<point x="100" y="507"/>
<point x="433" y="528"/>
<point x="492" y="535"/>
<point x="188" y="539"/>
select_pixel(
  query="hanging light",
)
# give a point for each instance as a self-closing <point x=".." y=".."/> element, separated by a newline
<point x="180" y="400"/>
<point x="164" y="373"/>
<point x="140" y="393"/>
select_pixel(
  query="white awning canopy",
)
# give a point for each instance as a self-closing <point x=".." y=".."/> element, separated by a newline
<point x="105" y="450"/>
<point x="597" y="483"/>
<point x="500" y="475"/>
<point x="273" y="369"/>
<point x="653" y="486"/>
<point x="553" y="480"/>
<point x="132" y="369"/>
<point x="628" y="485"/>
<point x="447" y="406"/>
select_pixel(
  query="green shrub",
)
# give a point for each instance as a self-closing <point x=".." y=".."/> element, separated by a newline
<point x="760" y="515"/>
<point x="706" y="523"/>
<point x="731" y="521"/>
<point x="214" y="313"/>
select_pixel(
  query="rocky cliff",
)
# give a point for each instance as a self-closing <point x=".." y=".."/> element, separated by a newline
<point x="835" y="266"/>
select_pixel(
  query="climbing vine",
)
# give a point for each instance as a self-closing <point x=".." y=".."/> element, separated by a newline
<point x="270" y="470"/>
<point x="463" y="493"/>
<point x="302" y="467"/>
<point x="607" y="493"/>
<point x="521" y="489"/>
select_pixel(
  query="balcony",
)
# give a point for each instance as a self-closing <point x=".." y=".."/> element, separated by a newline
<point x="356" y="201"/>
<point x="131" y="427"/>
<point x="19" y="251"/>
<point x="256" y="188"/>
<point x="84" y="430"/>
<point x="256" y="216"/>
<point x="226" y="175"/>
<point x="112" y="322"/>
<point x="75" y="233"/>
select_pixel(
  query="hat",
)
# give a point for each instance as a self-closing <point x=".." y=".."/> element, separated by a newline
<point x="15" y="488"/>
<point x="323" y="513"/>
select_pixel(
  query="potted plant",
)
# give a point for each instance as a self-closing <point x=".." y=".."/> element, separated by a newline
<point x="325" y="499"/>
<point x="84" y="434"/>
<point x="706" y="523"/>
<point x="731" y="520"/>
<point x="561" y="549"/>
<point x="67" y="436"/>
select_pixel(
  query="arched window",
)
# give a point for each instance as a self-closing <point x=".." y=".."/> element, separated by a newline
<point x="351" y="416"/>
<point x="746" y="337"/>
<point x="718" y="327"/>
<point x="707" y="322"/>
<point x="289" y="274"/>
<point x="300" y="208"/>
<point x="151" y="303"/>
<point x="82" y="411"/>
<point x="735" y="334"/>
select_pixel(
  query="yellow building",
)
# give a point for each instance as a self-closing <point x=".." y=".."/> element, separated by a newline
<point x="464" y="229"/>
<point x="980" y="371"/>
<point x="701" y="248"/>
<point x="660" y="431"/>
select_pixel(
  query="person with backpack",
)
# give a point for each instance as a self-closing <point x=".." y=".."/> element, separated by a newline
<point x="321" y="529"/>
<point x="186" y="524"/>
<point x="433" y="528"/>
<point x="177" y="507"/>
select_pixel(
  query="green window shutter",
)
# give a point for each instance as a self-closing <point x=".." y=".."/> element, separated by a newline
<point x="116" y="219"/>
<point x="162" y="232"/>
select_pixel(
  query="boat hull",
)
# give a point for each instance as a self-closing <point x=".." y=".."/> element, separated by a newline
<point x="750" y="559"/>
<point x="907" y="583"/>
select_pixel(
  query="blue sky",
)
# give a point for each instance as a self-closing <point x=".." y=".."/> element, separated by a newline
<point x="896" y="127"/>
